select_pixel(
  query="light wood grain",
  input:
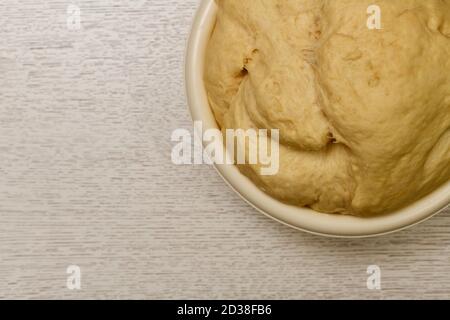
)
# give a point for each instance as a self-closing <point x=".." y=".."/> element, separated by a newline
<point x="86" y="177"/>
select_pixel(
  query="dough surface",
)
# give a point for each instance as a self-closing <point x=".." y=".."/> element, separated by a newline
<point x="364" y="115"/>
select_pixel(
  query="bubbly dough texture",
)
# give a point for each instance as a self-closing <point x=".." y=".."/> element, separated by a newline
<point x="364" y="115"/>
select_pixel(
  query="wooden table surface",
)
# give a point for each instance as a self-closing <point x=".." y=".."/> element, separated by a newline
<point x="86" y="179"/>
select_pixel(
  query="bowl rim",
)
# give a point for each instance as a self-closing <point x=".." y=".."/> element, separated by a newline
<point x="304" y="219"/>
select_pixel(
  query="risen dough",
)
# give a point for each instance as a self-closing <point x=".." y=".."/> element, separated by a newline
<point x="364" y="115"/>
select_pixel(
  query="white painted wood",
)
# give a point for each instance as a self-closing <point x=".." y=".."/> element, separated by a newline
<point x="86" y="177"/>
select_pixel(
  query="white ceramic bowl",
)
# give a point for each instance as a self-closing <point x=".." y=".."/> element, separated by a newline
<point x="299" y="218"/>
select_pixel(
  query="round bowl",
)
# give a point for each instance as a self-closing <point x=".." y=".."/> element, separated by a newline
<point x="299" y="218"/>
